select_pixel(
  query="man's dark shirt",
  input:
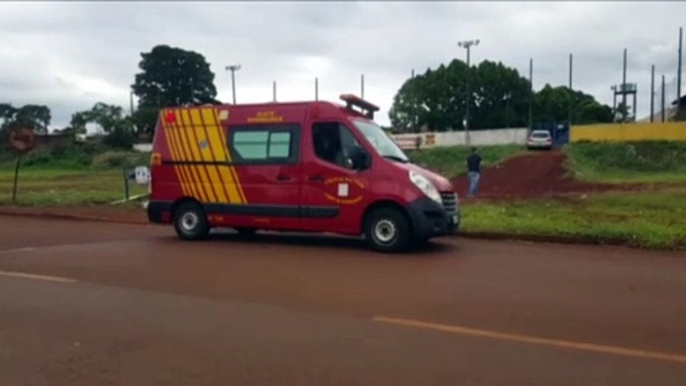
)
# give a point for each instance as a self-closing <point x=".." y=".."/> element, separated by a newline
<point x="474" y="163"/>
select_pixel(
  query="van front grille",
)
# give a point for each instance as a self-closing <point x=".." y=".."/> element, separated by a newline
<point x="449" y="201"/>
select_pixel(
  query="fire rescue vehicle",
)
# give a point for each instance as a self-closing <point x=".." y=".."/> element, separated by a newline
<point x="302" y="167"/>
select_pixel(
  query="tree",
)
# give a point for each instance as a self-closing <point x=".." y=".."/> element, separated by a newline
<point x="119" y="128"/>
<point x="35" y="117"/>
<point x="106" y="116"/>
<point x="171" y="77"/>
<point x="499" y="98"/>
<point x="437" y="99"/>
<point x="552" y="104"/>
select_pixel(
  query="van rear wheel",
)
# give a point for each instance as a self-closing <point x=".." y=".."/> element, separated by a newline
<point x="190" y="221"/>
<point x="387" y="230"/>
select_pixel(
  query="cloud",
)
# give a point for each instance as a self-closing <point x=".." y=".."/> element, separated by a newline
<point x="72" y="55"/>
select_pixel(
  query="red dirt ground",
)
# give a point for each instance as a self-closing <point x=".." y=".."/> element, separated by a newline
<point x="532" y="175"/>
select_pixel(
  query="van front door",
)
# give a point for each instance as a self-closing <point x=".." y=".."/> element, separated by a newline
<point x="335" y="190"/>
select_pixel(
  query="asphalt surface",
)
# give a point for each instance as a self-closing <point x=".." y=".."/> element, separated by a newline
<point x="87" y="303"/>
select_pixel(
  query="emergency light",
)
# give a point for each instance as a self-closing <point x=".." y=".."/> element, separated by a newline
<point x="352" y="100"/>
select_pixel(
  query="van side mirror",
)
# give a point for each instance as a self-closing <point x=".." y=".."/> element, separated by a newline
<point x="361" y="160"/>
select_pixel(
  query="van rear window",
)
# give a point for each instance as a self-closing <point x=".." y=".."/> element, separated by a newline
<point x="269" y="144"/>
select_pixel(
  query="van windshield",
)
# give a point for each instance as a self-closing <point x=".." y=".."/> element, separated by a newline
<point x="382" y="143"/>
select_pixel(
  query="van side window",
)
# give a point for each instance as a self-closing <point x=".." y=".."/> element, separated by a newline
<point x="333" y="143"/>
<point x="277" y="144"/>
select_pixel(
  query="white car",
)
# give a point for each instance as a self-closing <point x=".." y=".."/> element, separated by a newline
<point x="540" y="139"/>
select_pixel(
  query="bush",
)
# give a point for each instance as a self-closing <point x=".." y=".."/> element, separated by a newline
<point x="62" y="156"/>
<point x="120" y="138"/>
<point x="120" y="159"/>
<point x="648" y="161"/>
<point x="649" y="156"/>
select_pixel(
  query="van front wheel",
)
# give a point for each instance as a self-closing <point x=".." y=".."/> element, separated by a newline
<point x="190" y="222"/>
<point x="387" y="230"/>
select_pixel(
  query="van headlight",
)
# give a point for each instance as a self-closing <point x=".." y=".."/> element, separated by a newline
<point x="425" y="186"/>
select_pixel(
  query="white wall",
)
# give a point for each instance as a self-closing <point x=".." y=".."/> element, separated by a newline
<point x="143" y="147"/>
<point x="516" y="136"/>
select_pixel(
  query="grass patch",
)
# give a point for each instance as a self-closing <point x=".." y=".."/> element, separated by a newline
<point x="630" y="162"/>
<point x="50" y="187"/>
<point x="647" y="219"/>
<point x="451" y="161"/>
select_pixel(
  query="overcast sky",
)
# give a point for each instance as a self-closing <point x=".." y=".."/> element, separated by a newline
<point x="71" y="55"/>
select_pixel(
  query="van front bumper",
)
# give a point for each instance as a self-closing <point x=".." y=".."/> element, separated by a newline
<point x="430" y="219"/>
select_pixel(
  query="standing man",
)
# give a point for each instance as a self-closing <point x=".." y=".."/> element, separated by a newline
<point x="474" y="169"/>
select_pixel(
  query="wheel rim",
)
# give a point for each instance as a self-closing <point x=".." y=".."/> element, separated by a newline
<point x="189" y="221"/>
<point x="385" y="231"/>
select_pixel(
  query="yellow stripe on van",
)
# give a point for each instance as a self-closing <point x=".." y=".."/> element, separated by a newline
<point x="199" y="170"/>
<point x="232" y="170"/>
<point x="180" y="152"/>
<point x="174" y="154"/>
<point x="193" y="169"/>
<point x="206" y="152"/>
<point x="204" y="172"/>
<point x="219" y="149"/>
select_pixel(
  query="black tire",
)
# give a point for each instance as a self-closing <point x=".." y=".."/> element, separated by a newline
<point x="388" y="220"/>
<point x="190" y="221"/>
<point x="246" y="232"/>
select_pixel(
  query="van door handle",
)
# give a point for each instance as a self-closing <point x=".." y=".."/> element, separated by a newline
<point x="282" y="177"/>
<point x="317" y="178"/>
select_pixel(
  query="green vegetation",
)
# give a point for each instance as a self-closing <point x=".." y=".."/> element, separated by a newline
<point x="49" y="187"/>
<point x="71" y="175"/>
<point x="77" y="156"/>
<point x="451" y="161"/>
<point x="647" y="219"/>
<point x="435" y="100"/>
<point x="630" y="162"/>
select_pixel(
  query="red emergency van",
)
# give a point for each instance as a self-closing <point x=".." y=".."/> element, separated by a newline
<point x="303" y="167"/>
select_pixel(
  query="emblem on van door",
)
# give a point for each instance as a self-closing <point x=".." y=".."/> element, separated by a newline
<point x="203" y="144"/>
<point x="344" y="190"/>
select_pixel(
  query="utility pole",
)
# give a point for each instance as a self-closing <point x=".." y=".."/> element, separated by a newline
<point x="614" y="102"/>
<point x="316" y="89"/>
<point x="362" y="87"/>
<point x="507" y="109"/>
<point x="233" y="68"/>
<point x="652" y="93"/>
<point x="274" y="90"/>
<point x="467" y="44"/>
<point x="678" y="76"/>
<point x="414" y="111"/>
<point x="531" y="93"/>
<point x="131" y="101"/>
<point x="571" y="94"/>
<point x="663" y="97"/>
<point x="625" y="110"/>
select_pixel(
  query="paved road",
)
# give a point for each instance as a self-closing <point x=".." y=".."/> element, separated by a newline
<point x="107" y="304"/>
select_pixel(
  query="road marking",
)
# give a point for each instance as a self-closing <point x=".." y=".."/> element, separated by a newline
<point x="458" y="330"/>
<point x="37" y="277"/>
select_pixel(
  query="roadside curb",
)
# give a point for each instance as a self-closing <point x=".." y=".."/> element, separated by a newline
<point x="72" y="217"/>
<point x="544" y="238"/>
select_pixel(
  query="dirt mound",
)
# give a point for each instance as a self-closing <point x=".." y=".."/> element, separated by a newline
<point x="532" y="175"/>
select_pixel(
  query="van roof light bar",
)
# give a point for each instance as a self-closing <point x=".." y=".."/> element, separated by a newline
<point x="352" y="100"/>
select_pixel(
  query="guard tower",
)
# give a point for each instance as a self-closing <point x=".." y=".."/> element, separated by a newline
<point x="624" y="90"/>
